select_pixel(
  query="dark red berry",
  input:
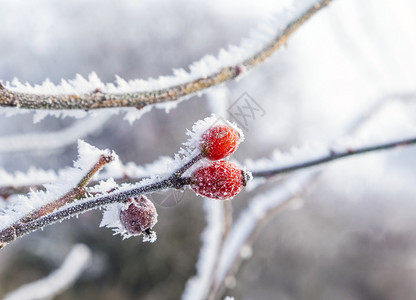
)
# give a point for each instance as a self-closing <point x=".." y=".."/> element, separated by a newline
<point x="139" y="217"/>
<point x="222" y="180"/>
<point x="219" y="142"/>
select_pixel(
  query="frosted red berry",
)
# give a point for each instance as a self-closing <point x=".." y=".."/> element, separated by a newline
<point x="139" y="217"/>
<point x="219" y="142"/>
<point x="221" y="180"/>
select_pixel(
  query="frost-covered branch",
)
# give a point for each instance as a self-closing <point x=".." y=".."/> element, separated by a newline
<point x="34" y="179"/>
<point x="209" y="143"/>
<point x="77" y="192"/>
<point x="332" y="155"/>
<point x="24" y="227"/>
<point x="18" y="219"/>
<point x="62" y="208"/>
<point x="208" y="72"/>
<point x="75" y="263"/>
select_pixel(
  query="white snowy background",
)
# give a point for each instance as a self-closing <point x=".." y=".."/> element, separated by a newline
<point x="353" y="237"/>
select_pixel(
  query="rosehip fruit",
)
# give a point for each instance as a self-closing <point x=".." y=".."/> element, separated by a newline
<point x="139" y="217"/>
<point x="219" y="142"/>
<point x="222" y="180"/>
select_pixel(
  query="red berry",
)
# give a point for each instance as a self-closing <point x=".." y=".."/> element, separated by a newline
<point x="222" y="180"/>
<point x="139" y="217"/>
<point x="219" y="142"/>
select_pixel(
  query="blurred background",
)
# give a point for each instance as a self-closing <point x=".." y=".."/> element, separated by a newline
<point x="353" y="238"/>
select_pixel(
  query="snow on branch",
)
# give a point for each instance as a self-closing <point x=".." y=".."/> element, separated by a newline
<point x="16" y="218"/>
<point x="307" y="157"/>
<point x="34" y="179"/>
<point x="91" y="94"/>
<point x="61" y="279"/>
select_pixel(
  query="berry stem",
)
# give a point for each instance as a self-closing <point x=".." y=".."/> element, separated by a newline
<point x="179" y="172"/>
<point x="76" y="192"/>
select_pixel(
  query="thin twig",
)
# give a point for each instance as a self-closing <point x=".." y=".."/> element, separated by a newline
<point x="76" y="192"/>
<point x="334" y="156"/>
<point x="179" y="172"/>
<point x="96" y="100"/>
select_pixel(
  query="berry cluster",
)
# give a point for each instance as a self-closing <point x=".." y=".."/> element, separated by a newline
<point x="221" y="179"/>
<point x="217" y="179"/>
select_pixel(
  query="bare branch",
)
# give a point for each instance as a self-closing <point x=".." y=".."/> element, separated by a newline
<point x="97" y="99"/>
